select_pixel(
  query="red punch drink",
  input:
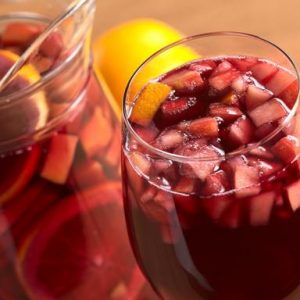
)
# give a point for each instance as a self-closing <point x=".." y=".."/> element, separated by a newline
<point x="62" y="230"/>
<point x="212" y="175"/>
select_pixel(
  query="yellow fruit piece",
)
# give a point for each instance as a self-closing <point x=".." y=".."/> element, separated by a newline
<point x="31" y="75"/>
<point x="120" y="51"/>
<point x="148" y="102"/>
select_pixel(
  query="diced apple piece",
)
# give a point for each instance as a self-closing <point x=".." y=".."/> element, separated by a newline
<point x="96" y="133"/>
<point x="174" y="111"/>
<point x="260" y="208"/>
<point x="161" y="165"/>
<point x="185" y="82"/>
<point x="241" y="132"/>
<point x="263" y="70"/>
<point x="87" y="174"/>
<point x="231" y="218"/>
<point x="280" y="81"/>
<point x="266" y="168"/>
<point x="141" y="162"/>
<point x="289" y="95"/>
<point x="204" y="127"/>
<point x="268" y="112"/>
<point x="287" y="148"/>
<point x="20" y="34"/>
<point x="148" y="134"/>
<point x="203" y="67"/>
<point x="230" y="164"/>
<point x="169" y="139"/>
<point x="148" y="102"/>
<point x="215" y="183"/>
<point x="226" y="112"/>
<point x="215" y="206"/>
<point x="223" y="76"/>
<point x="246" y="181"/>
<point x="209" y="160"/>
<point x="255" y="96"/>
<point x="59" y="158"/>
<point x="186" y="185"/>
<point x="264" y="130"/>
<point x="293" y="193"/>
<point x="157" y="204"/>
<point x="239" y="85"/>
<point x="244" y="63"/>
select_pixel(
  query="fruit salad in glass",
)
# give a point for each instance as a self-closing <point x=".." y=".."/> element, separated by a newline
<point x="62" y="230"/>
<point x="211" y="171"/>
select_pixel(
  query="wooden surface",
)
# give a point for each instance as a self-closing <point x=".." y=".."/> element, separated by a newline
<point x="275" y="20"/>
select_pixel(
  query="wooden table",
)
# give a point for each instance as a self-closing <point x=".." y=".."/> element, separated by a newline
<point x="276" y="20"/>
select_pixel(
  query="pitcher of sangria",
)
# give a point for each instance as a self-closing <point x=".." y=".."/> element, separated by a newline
<point x="62" y="233"/>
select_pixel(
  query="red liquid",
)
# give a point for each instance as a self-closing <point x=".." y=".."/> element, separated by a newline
<point x="62" y="233"/>
<point x="220" y="228"/>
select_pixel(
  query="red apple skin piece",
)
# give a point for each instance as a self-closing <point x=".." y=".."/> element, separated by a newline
<point x="59" y="158"/>
<point x="186" y="185"/>
<point x="26" y="171"/>
<point x="289" y="95"/>
<point x="96" y="134"/>
<point x="140" y="162"/>
<point x="293" y="193"/>
<point x="268" y="112"/>
<point x="287" y="148"/>
<point x="256" y="96"/>
<point x="204" y="127"/>
<point x="226" y="112"/>
<point x="20" y="34"/>
<point x="260" y="208"/>
<point x="262" y="71"/>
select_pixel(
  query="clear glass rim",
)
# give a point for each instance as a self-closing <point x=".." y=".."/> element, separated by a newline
<point x="32" y="88"/>
<point x="245" y="150"/>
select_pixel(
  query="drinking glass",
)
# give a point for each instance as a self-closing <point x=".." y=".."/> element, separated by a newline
<point x="235" y="244"/>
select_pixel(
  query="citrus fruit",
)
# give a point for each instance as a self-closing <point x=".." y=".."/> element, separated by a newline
<point x="79" y="249"/>
<point x="21" y="117"/>
<point x="121" y="50"/>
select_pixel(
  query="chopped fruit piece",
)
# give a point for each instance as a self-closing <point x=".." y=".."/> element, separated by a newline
<point x="226" y="112"/>
<point x="244" y="63"/>
<point x="268" y="112"/>
<point x="204" y="127"/>
<point x="260" y="208"/>
<point x="293" y="193"/>
<point x="174" y="111"/>
<point x="148" y="102"/>
<point x="185" y="82"/>
<point x="148" y="134"/>
<point x="223" y="76"/>
<point x="59" y="158"/>
<point x="261" y="152"/>
<point x="289" y="95"/>
<point x="169" y="139"/>
<point x="264" y="130"/>
<point x="263" y="70"/>
<point x="19" y="171"/>
<point x="280" y="81"/>
<point x="239" y="85"/>
<point x="209" y="160"/>
<point x="255" y="96"/>
<point x="87" y="174"/>
<point x="215" y="206"/>
<point x="96" y="133"/>
<point x="20" y="34"/>
<point x="231" y="218"/>
<point x="266" y="168"/>
<point x="157" y="204"/>
<point x="161" y="165"/>
<point x="135" y="180"/>
<point x="240" y="132"/>
<point x="230" y="165"/>
<point x="287" y="148"/>
<point x="203" y="67"/>
<point x="52" y="46"/>
<point x="186" y="185"/>
<point x="215" y="183"/>
<point x="141" y="162"/>
<point x="246" y="181"/>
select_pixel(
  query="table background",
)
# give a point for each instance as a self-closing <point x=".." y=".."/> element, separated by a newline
<point x="275" y="20"/>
